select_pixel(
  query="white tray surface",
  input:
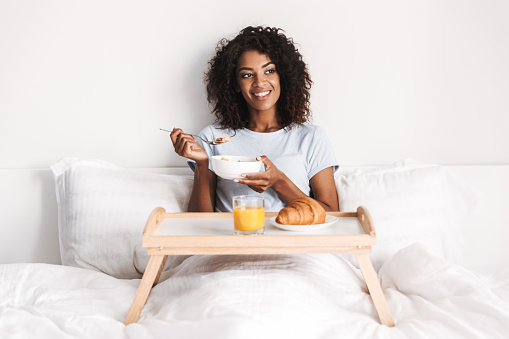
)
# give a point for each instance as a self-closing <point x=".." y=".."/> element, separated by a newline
<point x="224" y="226"/>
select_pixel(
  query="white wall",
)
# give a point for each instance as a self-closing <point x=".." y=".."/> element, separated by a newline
<point x="393" y="79"/>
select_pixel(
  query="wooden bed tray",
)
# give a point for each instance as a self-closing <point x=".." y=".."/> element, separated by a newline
<point x="212" y="233"/>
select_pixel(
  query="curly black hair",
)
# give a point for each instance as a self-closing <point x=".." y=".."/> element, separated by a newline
<point x="229" y="106"/>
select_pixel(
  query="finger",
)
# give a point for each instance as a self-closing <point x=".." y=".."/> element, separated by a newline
<point x="180" y="146"/>
<point x="181" y="137"/>
<point x="174" y="134"/>
<point x="195" y="146"/>
<point x="255" y="175"/>
<point x="251" y="182"/>
<point x="179" y="141"/>
<point x="185" y="144"/>
<point x="266" y="161"/>
<point x="256" y="189"/>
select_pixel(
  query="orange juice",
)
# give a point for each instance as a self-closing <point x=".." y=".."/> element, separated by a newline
<point x="248" y="218"/>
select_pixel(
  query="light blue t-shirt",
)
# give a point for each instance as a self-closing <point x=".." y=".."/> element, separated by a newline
<point x="300" y="152"/>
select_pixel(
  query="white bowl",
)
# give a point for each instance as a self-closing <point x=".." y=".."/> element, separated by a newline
<point x="232" y="166"/>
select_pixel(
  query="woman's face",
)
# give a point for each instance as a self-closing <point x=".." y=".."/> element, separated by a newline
<point x="258" y="81"/>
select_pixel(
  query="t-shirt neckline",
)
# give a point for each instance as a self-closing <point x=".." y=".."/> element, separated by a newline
<point x="282" y="130"/>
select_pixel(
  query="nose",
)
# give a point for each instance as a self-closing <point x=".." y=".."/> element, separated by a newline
<point x="259" y="80"/>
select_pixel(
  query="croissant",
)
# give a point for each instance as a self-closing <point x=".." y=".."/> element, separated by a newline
<point x="302" y="211"/>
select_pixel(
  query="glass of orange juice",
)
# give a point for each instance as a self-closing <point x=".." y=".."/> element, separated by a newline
<point x="248" y="214"/>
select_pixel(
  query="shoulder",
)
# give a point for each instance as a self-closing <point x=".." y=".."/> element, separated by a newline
<point x="306" y="130"/>
<point x="312" y="137"/>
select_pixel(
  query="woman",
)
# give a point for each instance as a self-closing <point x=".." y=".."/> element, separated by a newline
<point x="258" y="86"/>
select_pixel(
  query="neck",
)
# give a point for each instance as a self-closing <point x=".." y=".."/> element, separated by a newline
<point x="263" y="121"/>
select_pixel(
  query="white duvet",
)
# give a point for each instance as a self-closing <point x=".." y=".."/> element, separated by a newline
<point x="238" y="297"/>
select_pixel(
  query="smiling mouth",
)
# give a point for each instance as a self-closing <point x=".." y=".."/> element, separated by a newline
<point x="261" y="94"/>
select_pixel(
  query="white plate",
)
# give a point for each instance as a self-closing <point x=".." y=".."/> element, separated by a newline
<point x="329" y="220"/>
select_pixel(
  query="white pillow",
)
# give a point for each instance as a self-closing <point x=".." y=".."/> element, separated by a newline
<point x="410" y="202"/>
<point x="102" y="211"/>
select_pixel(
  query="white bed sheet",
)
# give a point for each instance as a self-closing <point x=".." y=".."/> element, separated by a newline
<point x="279" y="296"/>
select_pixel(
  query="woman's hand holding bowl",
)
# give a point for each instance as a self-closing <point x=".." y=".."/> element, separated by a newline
<point x="262" y="181"/>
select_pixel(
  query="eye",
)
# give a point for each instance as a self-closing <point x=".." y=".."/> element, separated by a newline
<point x="270" y="71"/>
<point x="246" y="75"/>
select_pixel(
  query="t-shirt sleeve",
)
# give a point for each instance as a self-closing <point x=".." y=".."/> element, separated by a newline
<point x="321" y="154"/>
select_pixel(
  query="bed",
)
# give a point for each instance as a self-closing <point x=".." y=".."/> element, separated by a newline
<point x="431" y="258"/>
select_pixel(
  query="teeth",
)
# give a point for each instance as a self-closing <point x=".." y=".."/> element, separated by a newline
<point x="261" y="94"/>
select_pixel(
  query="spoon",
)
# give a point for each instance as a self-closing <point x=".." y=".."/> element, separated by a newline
<point x="218" y="141"/>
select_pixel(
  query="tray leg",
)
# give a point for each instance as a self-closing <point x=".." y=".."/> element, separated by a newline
<point x="374" y="288"/>
<point x="160" y="270"/>
<point x="149" y="280"/>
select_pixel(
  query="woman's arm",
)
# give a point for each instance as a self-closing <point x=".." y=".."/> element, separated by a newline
<point x="271" y="178"/>
<point x="204" y="185"/>
<point x="204" y="189"/>
<point x="324" y="190"/>
<point x="322" y="185"/>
